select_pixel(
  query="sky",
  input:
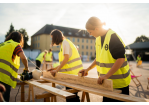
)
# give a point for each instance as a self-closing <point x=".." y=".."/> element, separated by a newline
<point x="128" y="20"/>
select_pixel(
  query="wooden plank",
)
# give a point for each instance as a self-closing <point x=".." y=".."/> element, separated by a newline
<point x="50" y="89"/>
<point x="100" y="92"/>
<point x="72" y="90"/>
<point x="85" y="81"/>
<point x="43" y="95"/>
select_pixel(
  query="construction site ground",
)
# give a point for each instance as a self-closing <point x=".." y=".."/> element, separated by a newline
<point x="140" y="91"/>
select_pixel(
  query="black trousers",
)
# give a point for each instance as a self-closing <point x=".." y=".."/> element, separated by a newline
<point x="125" y="90"/>
<point x="38" y="64"/>
<point x="76" y="99"/>
<point x="6" y="94"/>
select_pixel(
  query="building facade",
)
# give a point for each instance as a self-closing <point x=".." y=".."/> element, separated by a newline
<point x="41" y="39"/>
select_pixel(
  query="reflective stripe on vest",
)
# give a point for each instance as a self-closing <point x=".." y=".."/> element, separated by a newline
<point x="121" y="76"/>
<point x="8" y="73"/>
<point x="105" y="61"/>
<point x="74" y="64"/>
<point x="73" y="60"/>
<point x="70" y="69"/>
<point x="9" y="64"/>
<point x="8" y="68"/>
<point x="109" y="65"/>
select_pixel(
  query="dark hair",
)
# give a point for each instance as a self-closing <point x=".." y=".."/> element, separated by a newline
<point x="50" y="49"/>
<point x="57" y="36"/>
<point x="17" y="37"/>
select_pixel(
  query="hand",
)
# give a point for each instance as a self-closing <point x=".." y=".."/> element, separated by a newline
<point x="101" y="79"/>
<point x="51" y="69"/>
<point x="27" y="69"/>
<point x="53" y="72"/>
<point x="2" y="89"/>
<point x="84" y="72"/>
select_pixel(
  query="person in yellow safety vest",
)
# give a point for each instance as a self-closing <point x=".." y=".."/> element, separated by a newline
<point x="69" y="59"/>
<point x="110" y="61"/>
<point x="40" y="59"/>
<point x="10" y="54"/>
<point x="49" y="58"/>
<point x="139" y="61"/>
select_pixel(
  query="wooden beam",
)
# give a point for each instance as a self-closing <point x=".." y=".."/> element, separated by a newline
<point x="85" y="81"/>
<point x="72" y="90"/>
<point x="50" y="89"/>
<point x="100" y="92"/>
<point x="44" y="95"/>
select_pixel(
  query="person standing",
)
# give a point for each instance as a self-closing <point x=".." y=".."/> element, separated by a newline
<point x="10" y="53"/>
<point x="69" y="59"/>
<point x="139" y="61"/>
<point x="110" y="61"/>
<point x="40" y="59"/>
<point x="49" y="58"/>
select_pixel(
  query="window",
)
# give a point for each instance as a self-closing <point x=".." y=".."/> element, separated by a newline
<point x="82" y="47"/>
<point x="86" y="40"/>
<point x="86" y="53"/>
<point x="82" y="53"/>
<point x="86" y="47"/>
<point x="73" y="39"/>
<point x="69" y="33"/>
<point x="78" y="39"/>
<point x="38" y="45"/>
<point x="91" y="40"/>
<point x="91" y="54"/>
<point x="57" y="46"/>
<point x="83" y="34"/>
<point x="68" y="38"/>
<point x="91" y="47"/>
<point x="38" y="37"/>
<point x="82" y="40"/>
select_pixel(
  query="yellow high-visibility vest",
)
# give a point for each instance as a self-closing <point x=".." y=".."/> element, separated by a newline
<point x="48" y="56"/>
<point x="40" y="57"/>
<point x="74" y="64"/>
<point x="104" y="62"/>
<point x="8" y="68"/>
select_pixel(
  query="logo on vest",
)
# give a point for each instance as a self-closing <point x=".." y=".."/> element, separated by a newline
<point x="106" y="47"/>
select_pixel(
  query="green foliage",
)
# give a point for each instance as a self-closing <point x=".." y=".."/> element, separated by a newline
<point x="10" y="30"/>
<point x="25" y="36"/>
<point x="23" y="32"/>
<point x="142" y="38"/>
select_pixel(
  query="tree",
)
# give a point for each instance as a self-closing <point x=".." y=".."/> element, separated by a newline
<point x="142" y="38"/>
<point x="10" y="30"/>
<point x="25" y="36"/>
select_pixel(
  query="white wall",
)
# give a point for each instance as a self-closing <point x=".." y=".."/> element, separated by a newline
<point x="32" y="54"/>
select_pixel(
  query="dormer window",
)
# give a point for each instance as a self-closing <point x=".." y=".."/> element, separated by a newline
<point x="77" y="33"/>
<point x="69" y="33"/>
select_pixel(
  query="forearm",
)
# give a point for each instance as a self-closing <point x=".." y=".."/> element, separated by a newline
<point x="92" y="65"/>
<point x="25" y="62"/>
<point x="62" y="64"/>
<point x="115" y="67"/>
